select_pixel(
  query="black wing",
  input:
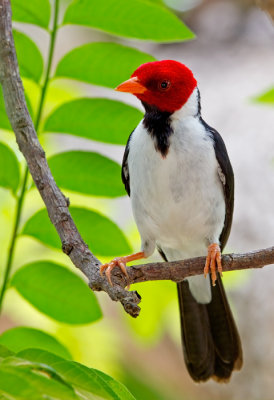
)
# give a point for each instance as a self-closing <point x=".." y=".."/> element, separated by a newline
<point x="125" y="170"/>
<point x="217" y="351"/>
<point x="227" y="179"/>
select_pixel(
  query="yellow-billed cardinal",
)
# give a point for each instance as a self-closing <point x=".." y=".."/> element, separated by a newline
<point x="178" y="175"/>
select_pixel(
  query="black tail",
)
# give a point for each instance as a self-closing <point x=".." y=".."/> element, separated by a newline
<point x="211" y="343"/>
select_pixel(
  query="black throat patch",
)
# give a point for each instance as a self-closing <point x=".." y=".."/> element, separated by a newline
<point x="158" y="125"/>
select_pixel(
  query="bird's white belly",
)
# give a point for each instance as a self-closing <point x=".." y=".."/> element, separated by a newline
<point x="178" y="200"/>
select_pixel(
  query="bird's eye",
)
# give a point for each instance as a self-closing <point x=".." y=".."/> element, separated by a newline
<point x="164" y="85"/>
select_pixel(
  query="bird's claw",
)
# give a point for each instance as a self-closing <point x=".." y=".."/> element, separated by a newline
<point x="213" y="257"/>
<point x="116" y="262"/>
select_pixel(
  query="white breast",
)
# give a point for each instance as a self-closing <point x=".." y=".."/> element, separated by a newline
<point x="178" y="200"/>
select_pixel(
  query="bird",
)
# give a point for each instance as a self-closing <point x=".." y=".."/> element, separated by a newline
<point x="178" y="175"/>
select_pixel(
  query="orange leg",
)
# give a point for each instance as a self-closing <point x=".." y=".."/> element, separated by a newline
<point x="213" y="257"/>
<point x="121" y="263"/>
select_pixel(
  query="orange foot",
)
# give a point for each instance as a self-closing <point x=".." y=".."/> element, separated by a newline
<point x="121" y="263"/>
<point x="213" y="256"/>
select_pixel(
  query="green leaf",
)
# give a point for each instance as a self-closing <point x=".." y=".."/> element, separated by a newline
<point x="135" y="19"/>
<point x="4" y="121"/>
<point x="93" y="228"/>
<point x="29" y="57"/>
<point x="21" y="338"/>
<point x="15" y="387"/>
<point x="88" y="173"/>
<point x="4" y="351"/>
<point x="33" y="12"/>
<point x="30" y="366"/>
<point x="95" y="66"/>
<point x="120" y="390"/>
<point x="41" y="381"/>
<point x="9" y="168"/>
<point x="115" y="128"/>
<point x="266" y="97"/>
<point x="57" y="292"/>
<point x="86" y="381"/>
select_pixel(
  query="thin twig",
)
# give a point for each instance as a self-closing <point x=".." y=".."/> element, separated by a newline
<point x="57" y="205"/>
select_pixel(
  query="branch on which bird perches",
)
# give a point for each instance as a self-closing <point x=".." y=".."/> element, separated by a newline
<point x="57" y="205"/>
<point x="178" y="270"/>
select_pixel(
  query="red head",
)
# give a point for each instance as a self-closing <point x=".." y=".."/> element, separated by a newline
<point x="165" y="84"/>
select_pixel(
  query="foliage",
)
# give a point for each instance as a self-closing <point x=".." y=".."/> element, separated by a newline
<point x="38" y="374"/>
<point x="21" y="338"/>
<point x="9" y="169"/>
<point x="52" y="288"/>
<point x="57" y="292"/>
<point x="39" y="227"/>
<point x="266" y="97"/>
<point x="121" y="120"/>
<point x="94" y="67"/>
<point x="157" y="23"/>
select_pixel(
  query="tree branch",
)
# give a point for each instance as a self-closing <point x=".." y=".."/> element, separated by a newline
<point x="178" y="270"/>
<point x="57" y="205"/>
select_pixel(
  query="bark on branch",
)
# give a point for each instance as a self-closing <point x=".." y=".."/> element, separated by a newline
<point x="178" y="270"/>
<point x="57" y="205"/>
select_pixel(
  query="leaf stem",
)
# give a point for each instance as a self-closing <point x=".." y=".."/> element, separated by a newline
<point x="19" y="205"/>
<point x="50" y="55"/>
<point x="20" y="200"/>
